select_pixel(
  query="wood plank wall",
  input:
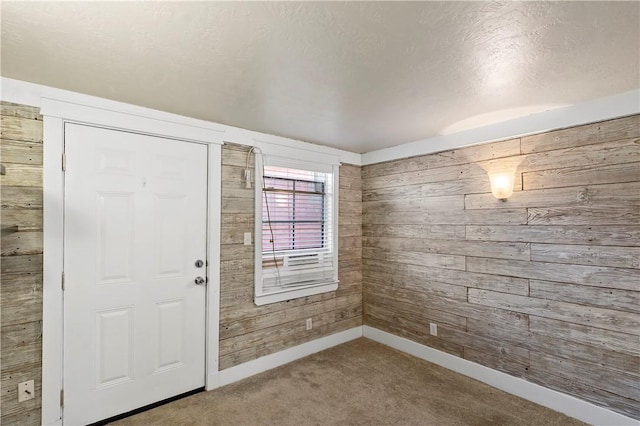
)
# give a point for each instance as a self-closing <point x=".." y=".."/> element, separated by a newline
<point x="21" y="261"/>
<point x="544" y="286"/>
<point x="248" y="331"/>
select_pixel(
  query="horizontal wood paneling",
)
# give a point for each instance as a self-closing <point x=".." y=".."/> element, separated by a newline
<point x="497" y="362"/>
<point x="21" y="298"/>
<point x="552" y="297"/>
<point x="21" y="175"/>
<point x="609" y="319"/>
<point x="598" y="276"/>
<point x="593" y="235"/>
<point x="600" y="154"/>
<point x="453" y="217"/>
<point x="622" y="257"/>
<point x="612" y="298"/>
<point x="20" y="243"/>
<point x="407" y="327"/>
<point x="21" y="197"/>
<point x="570" y="349"/>
<point x="10" y="109"/>
<point x="248" y="331"/>
<point x="412" y="204"/>
<point x="585" y="215"/>
<point x="435" y="189"/>
<point x="613" y="341"/>
<point x="415" y="258"/>
<point x="607" y="379"/>
<point x="21" y="261"/>
<point x="577" y="387"/>
<point x="501" y="283"/>
<point x="426" y="286"/>
<point x="436" y="232"/>
<point x="29" y="219"/>
<point x="464" y="171"/>
<point x="20" y="128"/>
<point x="581" y="175"/>
<point x="446" y="304"/>
<point x="21" y="152"/>
<point x="518" y="251"/>
<point x="612" y="130"/>
<point x="443" y="159"/>
<point x="615" y="194"/>
<point x="409" y="309"/>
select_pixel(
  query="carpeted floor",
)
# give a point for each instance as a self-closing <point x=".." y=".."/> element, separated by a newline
<point x="358" y="383"/>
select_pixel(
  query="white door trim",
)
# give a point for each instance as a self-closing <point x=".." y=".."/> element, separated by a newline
<point x="56" y="114"/>
<point x="52" y="306"/>
<point x="213" y="269"/>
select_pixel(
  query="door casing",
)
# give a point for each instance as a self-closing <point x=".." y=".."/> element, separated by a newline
<point x="56" y="113"/>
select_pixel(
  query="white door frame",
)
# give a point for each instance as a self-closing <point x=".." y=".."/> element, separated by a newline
<point x="132" y="119"/>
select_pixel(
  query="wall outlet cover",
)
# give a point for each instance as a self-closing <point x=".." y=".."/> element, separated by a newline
<point x="433" y="329"/>
<point x="26" y="391"/>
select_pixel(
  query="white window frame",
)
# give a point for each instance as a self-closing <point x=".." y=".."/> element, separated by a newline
<point x="261" y="297"/>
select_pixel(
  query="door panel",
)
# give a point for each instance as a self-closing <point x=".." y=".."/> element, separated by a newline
<point x="114" y="346"/>
<point x="115" y="236"/>
<point x="171" y="237"/>
<point x="170" y="331"/>
<point x="135" y="223"/>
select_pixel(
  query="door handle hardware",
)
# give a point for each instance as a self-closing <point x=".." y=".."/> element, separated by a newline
<point x="199" y="263"/>
<point x="200" y="281"/>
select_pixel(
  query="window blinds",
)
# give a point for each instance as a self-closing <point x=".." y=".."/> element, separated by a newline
<point x="297" y="228"/>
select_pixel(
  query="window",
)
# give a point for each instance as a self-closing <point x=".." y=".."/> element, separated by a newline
<point x="295" y="229"/>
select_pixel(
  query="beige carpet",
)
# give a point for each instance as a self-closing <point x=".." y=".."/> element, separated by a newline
<point x="358" y="383"/>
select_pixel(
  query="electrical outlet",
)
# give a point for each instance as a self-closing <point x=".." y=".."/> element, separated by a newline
<point x="247" y="238"/>
<point x="309" y="323"/>
<point x="433" y="328"/>
<point x="26" y="391"/>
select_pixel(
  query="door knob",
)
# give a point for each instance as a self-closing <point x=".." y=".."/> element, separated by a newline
<point x="200" y="281"/>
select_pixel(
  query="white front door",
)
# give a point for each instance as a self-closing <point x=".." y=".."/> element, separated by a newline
<point x="135" y="225"/>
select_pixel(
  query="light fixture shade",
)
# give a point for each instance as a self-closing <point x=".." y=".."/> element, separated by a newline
<point x="501" y="184"/>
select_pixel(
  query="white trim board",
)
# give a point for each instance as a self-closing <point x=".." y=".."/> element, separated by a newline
<point x="214" y="191"/>
<point x="607" y="108"/>
<point x="73" y="105"/>
<point x="52" y="296"/>
<point x="546" y="397"/>
<point x="116" y="119"/>
<point x="268" y="362"/>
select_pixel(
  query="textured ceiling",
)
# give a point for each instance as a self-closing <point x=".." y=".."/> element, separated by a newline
<point x="355" y="75"/>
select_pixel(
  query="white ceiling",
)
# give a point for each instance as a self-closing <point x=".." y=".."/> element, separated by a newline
<point x="359" y="76"/>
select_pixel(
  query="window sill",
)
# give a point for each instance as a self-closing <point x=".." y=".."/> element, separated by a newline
<point x="294" y="293"/>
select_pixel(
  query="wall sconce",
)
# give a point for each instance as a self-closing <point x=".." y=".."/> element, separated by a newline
<point x="501" y="184"/>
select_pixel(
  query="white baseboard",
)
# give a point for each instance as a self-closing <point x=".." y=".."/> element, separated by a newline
<point x="546" y="397"/>
<point x="277" y="359"/>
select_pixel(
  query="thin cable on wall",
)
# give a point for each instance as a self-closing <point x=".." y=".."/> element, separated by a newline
<point x="247" y="175"/>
